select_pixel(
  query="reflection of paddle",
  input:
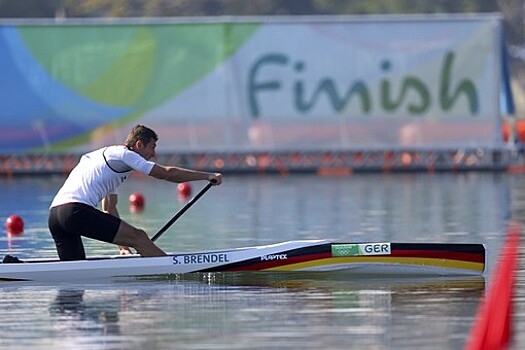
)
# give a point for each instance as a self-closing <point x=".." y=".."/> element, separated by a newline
<point x="183" y="210"/>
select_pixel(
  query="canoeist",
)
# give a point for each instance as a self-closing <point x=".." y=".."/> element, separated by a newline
<point x="94" y="180"/>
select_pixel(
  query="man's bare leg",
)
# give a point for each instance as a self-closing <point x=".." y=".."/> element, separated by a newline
<point x="130" y="236"/>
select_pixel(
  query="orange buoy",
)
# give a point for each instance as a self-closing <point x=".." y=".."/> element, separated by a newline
<point x="14" y="225"/>
<point x="519" y="129"/>
<point x="184" y="189"/>
<point x="136" y="202"/>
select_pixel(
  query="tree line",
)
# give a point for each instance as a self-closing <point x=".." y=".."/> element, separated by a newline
<point x="512" y="10"/>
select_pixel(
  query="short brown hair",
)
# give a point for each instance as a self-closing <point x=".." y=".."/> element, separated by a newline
<point x="142" y="133"/>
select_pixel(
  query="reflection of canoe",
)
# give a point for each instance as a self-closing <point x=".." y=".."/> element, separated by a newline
<point x="341" y="280"/>
<point x="390" y="259"/>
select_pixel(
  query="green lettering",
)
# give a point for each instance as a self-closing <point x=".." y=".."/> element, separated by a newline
<point x="414" y="96"/>
<point x="409" y="83"/>
<point x="254" y="87"/>
<point x="467" y="87"/>
<point x="327" y="86"/>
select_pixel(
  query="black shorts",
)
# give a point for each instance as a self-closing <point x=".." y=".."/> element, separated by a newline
<point x="68" y="222"/>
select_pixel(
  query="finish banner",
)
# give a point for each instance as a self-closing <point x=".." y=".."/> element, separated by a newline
<point x="313" y="83"/>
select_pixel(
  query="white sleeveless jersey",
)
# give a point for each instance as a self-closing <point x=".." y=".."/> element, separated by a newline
<point x="99" y="173"/>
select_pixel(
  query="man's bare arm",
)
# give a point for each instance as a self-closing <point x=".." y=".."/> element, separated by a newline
<point x="178" y="175"/>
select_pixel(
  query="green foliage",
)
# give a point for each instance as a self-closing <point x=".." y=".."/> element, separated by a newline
<point x="142" y="8"/>
<point x="511" y="10"/>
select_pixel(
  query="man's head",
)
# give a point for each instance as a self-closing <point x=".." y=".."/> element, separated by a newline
<point x="142" y="140"/>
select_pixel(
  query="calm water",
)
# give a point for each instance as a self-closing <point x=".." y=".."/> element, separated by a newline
<point x="258" y="311"/>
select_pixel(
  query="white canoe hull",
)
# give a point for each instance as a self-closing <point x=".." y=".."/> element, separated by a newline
<point x="312" y="255"/>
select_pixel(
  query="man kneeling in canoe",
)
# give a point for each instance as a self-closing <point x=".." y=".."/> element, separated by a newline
<point x="73" y="212"/>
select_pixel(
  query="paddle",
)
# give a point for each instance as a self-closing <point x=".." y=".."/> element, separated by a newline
<point x="183" y="210"/>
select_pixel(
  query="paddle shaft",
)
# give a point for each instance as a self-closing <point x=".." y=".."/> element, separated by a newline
<point x="182" y="211"/>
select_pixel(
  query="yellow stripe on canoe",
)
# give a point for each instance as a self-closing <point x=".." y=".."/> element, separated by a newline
<point x="431" y="262"/>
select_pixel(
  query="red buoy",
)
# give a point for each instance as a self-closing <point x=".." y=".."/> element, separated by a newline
<point x="14" y="225"/>
<point x="184" y="189"/>
<point x="136" y="202"/>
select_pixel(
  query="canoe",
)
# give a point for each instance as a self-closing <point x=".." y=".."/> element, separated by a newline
<point x="370" y="259"/>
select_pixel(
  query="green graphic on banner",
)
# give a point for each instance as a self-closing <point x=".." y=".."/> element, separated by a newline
<point x="137" y="66"/>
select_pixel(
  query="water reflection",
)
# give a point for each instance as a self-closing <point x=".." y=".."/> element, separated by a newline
<point x="288" y="311"/>
<point x="77" y="318"/>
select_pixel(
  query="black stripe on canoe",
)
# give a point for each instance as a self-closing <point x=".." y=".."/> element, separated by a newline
<point x="13" y="280"/>
<point x="451" y="247"/>
<point x="323" y="250"/>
